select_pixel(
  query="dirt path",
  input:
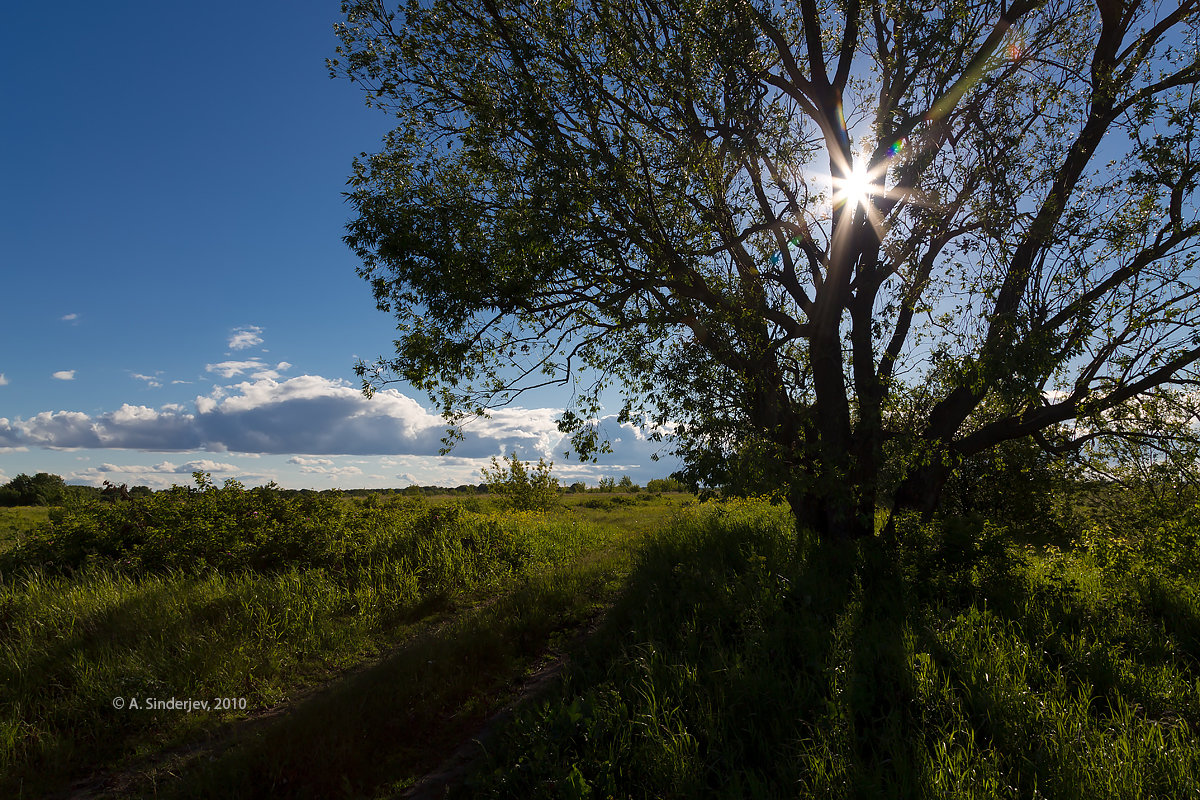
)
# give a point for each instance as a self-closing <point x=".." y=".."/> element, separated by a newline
<point x="145" y="775"/>
<point x="142" y="774"/>
<point x="451" y="772"/>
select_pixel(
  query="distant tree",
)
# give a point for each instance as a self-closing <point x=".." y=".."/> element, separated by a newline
<point x="522" y="486"/>
<point x="626" y="484"/>
<point x="42" y="489"/>
<point x="849" y="239"/>
<point x="606" y="485"/>
<point x="664" y="485"/>
<point x="578" y="487"/>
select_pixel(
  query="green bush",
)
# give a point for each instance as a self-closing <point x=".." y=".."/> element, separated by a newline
<point x="520" y="487"/>
<point x="42" y="489"/>
<point x="206" y="528"/>
<point x="664" y="485"/>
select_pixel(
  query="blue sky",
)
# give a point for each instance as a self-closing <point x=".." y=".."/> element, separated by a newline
<point x="176" y="294"/>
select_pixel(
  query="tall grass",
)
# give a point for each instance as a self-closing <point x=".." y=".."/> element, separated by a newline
<point x="84" y="621"/>
<point x="745" y="662"/>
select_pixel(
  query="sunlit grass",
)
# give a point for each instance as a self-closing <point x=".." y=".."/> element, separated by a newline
<point x="17" y="523"/>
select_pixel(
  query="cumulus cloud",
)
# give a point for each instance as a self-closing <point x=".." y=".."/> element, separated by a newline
<point x="10" y="435"/>
<point x="3" y="380"/>
<point x="245" y="337"/>
<point x="129" y="427"/>
<point x="318" y="416"/>
<point x="151" y="380"/>
<point x="314" y="419"/>
<point x="64" y="375"/>
<point x="335" y="472"/>
<point x="69" y="317"/>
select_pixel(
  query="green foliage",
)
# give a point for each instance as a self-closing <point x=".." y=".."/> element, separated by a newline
<point x="1017" y="482"/>
<point x="658" y="485"/>
<point x="626" y="484"/>
<point x="520" y="487"/>
<point x="221" y="591"/>
<point x="42" y="489"/>
<point x="195" y="530"/>
<point x="606" y="485"/>
<point x="1144" y="527"/>
<point x="17" y="523"/>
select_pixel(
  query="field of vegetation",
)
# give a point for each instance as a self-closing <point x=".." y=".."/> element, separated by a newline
<point x="264" y="598"/>
<point x="710" y="650"/>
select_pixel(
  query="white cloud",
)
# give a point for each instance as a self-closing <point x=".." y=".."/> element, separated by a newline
<point x="258" y="369"/>
<point x="304" y="461"/>
<point x="130" y="427"/>
<point x="157" y="476"/>
<point x="206" y="465"/>
<point x="151" y="380"/>
<point x="64" y="375"/>
<point x="336" y="472"/>
<point x="69" y="317"/>
<point x="231" y="369"/>
<point x="3" y="380"/>
<point x="245" y="337"/>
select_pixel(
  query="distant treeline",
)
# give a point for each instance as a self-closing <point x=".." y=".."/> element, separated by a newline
<point x="46" y="489"/>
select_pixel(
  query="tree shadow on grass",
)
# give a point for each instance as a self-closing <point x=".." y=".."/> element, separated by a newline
<point x="739" y="663"/>
<point x="737" y="667"/>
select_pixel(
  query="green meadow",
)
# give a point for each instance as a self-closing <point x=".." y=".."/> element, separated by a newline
<point x="615" y="645"/>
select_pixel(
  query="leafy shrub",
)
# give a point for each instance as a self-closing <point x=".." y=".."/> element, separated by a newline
<point x="208" y="528"/>
<point x="520" y="487"/>
<point x="658" y="485"/>
<point x="1016" y="482"/>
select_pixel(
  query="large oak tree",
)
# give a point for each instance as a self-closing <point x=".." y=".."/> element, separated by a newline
<point x="851" y="243"/>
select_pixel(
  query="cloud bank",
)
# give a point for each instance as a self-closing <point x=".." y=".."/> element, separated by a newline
<point x="306" y="414"/>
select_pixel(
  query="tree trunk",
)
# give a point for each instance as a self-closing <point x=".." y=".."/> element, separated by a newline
<point x="832" y="514"/>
